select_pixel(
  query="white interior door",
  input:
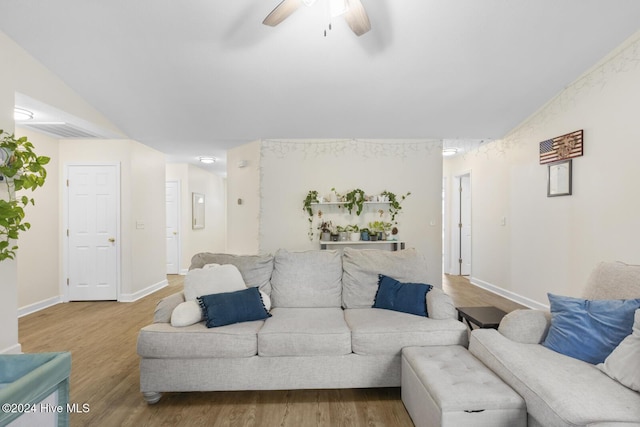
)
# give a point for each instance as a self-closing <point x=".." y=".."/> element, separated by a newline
<point x="173" y="227"/>
<point x="92" y="229"/>
<point x="465" y="225"/>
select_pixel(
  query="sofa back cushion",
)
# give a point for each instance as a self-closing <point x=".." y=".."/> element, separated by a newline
<point x="613" y="280"/>
<point x="255" y="269"/>
<point x="306" y="279"/>
<point x="362" y="267"/>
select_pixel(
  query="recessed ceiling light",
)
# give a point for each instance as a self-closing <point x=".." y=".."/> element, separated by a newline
<point x="449" y="152"/>
<point x="207" y="160"/>
<point x="22" y="114"/>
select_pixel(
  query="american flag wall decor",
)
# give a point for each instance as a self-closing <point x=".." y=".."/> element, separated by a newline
<point x="561" y="147"/>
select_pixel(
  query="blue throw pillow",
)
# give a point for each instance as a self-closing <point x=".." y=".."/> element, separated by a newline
<point x="589" y="330"/>
<point x="233" y="307"/>
<point x="404" y="297"/>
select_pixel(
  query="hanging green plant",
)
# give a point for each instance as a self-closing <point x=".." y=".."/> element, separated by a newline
<point x="394" y="203"/>
<point x="20" y="168"/>
<point x="312" y="197"/>
<point x="355" y="199"/>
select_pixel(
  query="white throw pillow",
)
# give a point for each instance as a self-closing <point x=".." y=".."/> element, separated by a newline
<point x="266" y="300"/>
<point x="622" y="364"/>
<point x="186" y="313"/>
<point x="212" y="280"/>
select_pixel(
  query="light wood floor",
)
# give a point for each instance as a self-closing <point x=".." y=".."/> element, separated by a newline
<point x="102" y="339"/>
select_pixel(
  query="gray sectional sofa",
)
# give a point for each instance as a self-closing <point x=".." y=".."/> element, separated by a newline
<point x="323" y="332"/>
<point x="560" y="390"/>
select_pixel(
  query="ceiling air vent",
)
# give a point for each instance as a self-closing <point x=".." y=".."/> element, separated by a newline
<point x="61" y="130"/>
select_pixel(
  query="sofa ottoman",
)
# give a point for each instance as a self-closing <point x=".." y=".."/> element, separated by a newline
<point x="447" y="386"/>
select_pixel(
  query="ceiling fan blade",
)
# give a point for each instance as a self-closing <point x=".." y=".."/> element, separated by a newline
<point x="357" y="17"/>
<point x="281" y="12"/>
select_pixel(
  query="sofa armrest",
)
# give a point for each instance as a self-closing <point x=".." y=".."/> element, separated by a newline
<point x="440" y="305"/>
<point x="165" y="306"/>
<point x="526" y="326"/>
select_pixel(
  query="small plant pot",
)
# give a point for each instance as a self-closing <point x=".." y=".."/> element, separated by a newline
<point x="334" y="237"/>
<point x="364" y="236"/>
<point x="343" y="236"/>
<point x="373" y="237"/>
<point x="354" y="237"/>
<point x="325" y="236"/>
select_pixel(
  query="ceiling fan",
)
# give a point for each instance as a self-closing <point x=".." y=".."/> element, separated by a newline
<point x="352" y="10"/>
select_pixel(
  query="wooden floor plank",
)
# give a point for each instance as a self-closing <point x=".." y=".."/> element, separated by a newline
<point x="101" y="337"/>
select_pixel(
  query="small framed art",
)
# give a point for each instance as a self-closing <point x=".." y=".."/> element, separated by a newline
<point x="559" y="178"/>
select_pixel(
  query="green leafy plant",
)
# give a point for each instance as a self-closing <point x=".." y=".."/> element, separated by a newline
<point x="20" y="168"/>
<point x="380" y="226"/>
<point x="312" y="197"/>
<point x="394" y="203"/>
<point x="355" y="199"/>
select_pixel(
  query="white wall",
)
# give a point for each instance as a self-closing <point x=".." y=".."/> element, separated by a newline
<point x="289" y="169"/>
<point x="552" y="244"/>
<point x="212" y="238"/>
<point x="27" y="76"/>
<point x="39" y="287"/>
<point x="243" y="183"/>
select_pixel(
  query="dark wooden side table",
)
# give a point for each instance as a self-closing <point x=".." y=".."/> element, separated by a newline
<point x="482" y="317"/>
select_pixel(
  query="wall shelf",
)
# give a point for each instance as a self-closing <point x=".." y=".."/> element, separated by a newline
<point x="396" y="244"/>
<point x="342" y="203"/>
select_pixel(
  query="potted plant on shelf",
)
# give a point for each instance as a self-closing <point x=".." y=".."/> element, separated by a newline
<point x="354" y="232"/>
<point x="364" y="234"/>
<point x="325" y="230"/>
<point x="379" y="228"/>
<point x="20" y="168"/>
<point x="375" y="230"/>
<point x="342" y="233"/>
<point x="335" y="196"/>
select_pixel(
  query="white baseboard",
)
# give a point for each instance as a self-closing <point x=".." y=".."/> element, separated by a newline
<point x="143" y="293"/>
<point x="14" y="349"/>
<point x="41" y="305"/>
<point x="527" y="302"/>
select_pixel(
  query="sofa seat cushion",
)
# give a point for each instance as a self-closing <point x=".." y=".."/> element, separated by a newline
<point x="379" y="331"/>
<point x="305" y="332"/>
<point x="161" y="340"/>
<point x="558" y="390"/>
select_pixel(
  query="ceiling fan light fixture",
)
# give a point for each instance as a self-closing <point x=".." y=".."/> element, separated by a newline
<point x="207" y="160"/>
<point x="448" y="152"/>
<point x="22" y="114"/>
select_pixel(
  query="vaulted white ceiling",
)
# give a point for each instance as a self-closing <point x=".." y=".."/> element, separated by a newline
<point x="197" y="77"/>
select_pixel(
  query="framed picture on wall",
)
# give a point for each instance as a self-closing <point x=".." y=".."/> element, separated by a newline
<point x="197" y="220"/>
<point x="559" y="178"/>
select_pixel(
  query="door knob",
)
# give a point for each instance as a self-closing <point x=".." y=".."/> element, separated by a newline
<point x="112" y="240"/>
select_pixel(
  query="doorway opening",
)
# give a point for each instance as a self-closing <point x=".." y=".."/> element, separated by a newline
<point x="461" y="225"/>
